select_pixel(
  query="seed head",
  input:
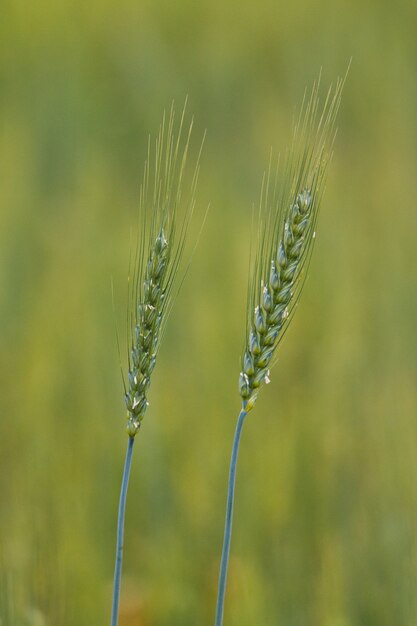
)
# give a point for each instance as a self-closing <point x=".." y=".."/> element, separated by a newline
<point x="163" y="225"/>
<point x="288" y="215"/>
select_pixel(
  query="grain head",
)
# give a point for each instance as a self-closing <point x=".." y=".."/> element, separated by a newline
<point x="166" y="208"/>
<point x="289" y="206"/>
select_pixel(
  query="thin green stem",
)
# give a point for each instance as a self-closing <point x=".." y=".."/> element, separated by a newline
<point x="120" y="533"/>
<point x="228" y="522"/>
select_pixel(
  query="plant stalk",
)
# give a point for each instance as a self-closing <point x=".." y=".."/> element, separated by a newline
<point x="120" y="533"/>
<point x="229" y="519"/>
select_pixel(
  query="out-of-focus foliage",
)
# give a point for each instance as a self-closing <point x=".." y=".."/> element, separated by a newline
<point x="326" y="510"/>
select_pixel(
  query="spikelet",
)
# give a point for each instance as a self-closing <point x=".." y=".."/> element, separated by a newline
<point x="165" y="215"/>
<point x="288" y="215"/>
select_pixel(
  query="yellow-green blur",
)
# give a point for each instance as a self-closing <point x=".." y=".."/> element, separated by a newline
<point x="326" y="500"/>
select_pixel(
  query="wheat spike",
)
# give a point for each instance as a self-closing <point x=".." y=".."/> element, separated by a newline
<point x="288" y="216"/>
<point x="165" y="217"/>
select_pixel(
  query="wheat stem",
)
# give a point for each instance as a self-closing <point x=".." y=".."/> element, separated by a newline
<point x="288" y="216"/>
<point x="229" y="520"/>
<point x="120" y="533"/>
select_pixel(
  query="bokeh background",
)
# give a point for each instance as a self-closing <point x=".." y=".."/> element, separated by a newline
<point x="326" y="510"/>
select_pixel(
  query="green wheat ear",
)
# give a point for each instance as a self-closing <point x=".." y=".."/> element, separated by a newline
<point x="164" y="222"/>
<point x="165" y="211"/>
<point x="288" y="215"/>
<point x="289" y="207"/>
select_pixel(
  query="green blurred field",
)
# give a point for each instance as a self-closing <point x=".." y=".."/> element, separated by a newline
<point x="326" y="511"/>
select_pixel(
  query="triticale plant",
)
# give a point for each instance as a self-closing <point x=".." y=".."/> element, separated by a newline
<point x="165" y="214"/>
<point x="289" y="206"/>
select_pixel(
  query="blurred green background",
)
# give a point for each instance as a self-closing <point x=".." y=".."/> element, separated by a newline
<point x="326" y="510"/>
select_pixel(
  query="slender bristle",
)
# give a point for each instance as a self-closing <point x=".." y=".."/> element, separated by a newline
<point x="287" y="221"/>
<point x="164" y="218"/>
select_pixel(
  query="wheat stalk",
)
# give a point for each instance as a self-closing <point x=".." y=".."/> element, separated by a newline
<point x="163" y="225"/>
<point x="287" y="217"/>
